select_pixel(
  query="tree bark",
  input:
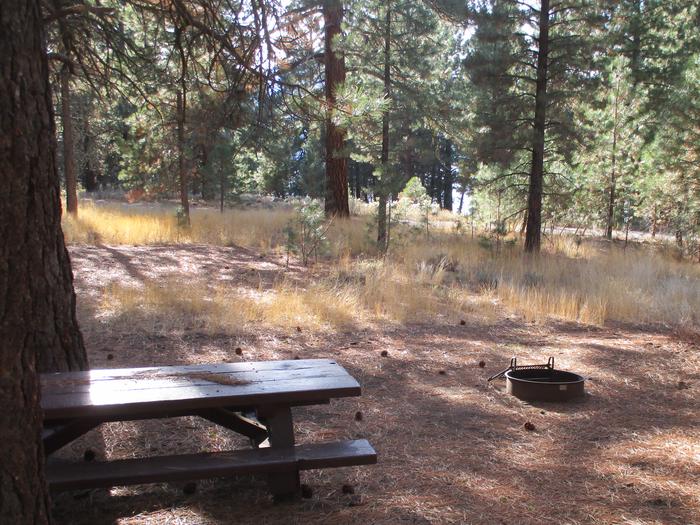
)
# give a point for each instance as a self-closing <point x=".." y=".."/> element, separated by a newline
<point x="222" y="190"/>
<point x="461" y="198"/>
<point x="534" y="199"/>
<point x="38" y="328"/>
<point x="181" y="171"/>
<point x="181" y="118"/>
<point x="382" y="237"/>
<point x="636" y="30"/>
<point x="68" y="143"/>
<point x="337" y="203"/>
<point x="613" y="163"/>
<point x="69" y="174"/>
<point x="89" y="177"/>
<point x="448" y="179"/>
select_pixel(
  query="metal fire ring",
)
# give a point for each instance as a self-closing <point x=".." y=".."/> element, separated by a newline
<point x="541" y="382"/>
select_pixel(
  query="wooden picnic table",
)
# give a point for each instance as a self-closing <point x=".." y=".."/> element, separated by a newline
<point x="254" y="399"/>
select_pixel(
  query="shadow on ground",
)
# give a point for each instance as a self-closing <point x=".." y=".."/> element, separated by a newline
<point x="452" y="448"/>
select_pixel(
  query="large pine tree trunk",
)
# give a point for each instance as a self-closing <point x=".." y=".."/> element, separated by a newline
<point x="222" y="189"/>
<point x="181" y="171"/>
<point x="534" y="198"/>
<point x="382" y="237"/>
<point x="611" y="199"/>
<point x="448" y="179"/>
<point x="89" y="178"/>
<point x="636" y="30"/>
<point x="69" y="173"/>
<point x="613" y="162"/>
<point x="38" y="328"/>
<point x="68" y="143"/>
<point x="181" y="119"/>
<point x="336" y="157"/>
<point x="463" y="190"/>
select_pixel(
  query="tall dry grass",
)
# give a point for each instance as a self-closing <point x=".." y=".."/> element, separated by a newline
<point x="256" y="228"/>
<point x="574" y="282"/>
<point x="448" y="275"/>
<point x="172" y="305"/>
<point x="116" y="223"/>
<point x="377" y="295"/>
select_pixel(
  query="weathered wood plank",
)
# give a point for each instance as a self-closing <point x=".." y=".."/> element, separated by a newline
<point x="208" y="465"/>
<point x="165" y="377"/>
<point x="115" y="393"/>
<point x="280" y="428"/>
<point x="103" y="403"/>
<point x="336" y="455"/>
<point x="110" y="374"/>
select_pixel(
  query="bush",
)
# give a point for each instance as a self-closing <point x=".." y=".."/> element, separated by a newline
<point x="532" y="280"/>
<point x="444" y="261"/>
<point x="306" y="233"/>
<point x="183" y="219"/>
<point x="485" y="280"/>
<point x="415" y="195"/>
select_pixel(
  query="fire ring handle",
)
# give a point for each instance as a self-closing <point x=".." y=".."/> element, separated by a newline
<point x="514" y="366"/>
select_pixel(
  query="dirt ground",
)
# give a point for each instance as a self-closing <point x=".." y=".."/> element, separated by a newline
<point x="452" y="448"/>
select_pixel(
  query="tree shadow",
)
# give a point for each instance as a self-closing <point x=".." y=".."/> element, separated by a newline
<point x="465" y="449"/>
<point x="453" y="449"/>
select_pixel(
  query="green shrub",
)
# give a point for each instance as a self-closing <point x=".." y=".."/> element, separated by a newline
<point x="306" y="232"/>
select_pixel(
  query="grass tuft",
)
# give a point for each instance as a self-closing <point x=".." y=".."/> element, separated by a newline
<point x="448" y="275"/>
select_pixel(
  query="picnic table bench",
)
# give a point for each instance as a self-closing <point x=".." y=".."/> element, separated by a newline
<point x="254" y="399"/>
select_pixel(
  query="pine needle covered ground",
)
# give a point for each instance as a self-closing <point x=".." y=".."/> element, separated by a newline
<point x="452" y="448"/>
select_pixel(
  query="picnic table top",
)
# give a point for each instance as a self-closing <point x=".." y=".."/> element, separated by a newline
<point x="115" y="393"/>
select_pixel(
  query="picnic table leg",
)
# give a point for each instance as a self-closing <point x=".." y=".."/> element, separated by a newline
<point x="57" y="436"/>
<point x="280" y="427"/>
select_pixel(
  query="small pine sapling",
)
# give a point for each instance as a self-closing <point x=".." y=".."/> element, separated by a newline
<point x="306" y="233"/>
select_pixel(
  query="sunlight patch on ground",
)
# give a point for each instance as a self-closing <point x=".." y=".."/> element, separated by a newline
<point x="445" y="275"/>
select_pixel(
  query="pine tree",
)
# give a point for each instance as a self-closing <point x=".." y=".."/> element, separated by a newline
<point x="532" y="61"/>
<point x="392" y="56"/>
<point x="336" y="154"/>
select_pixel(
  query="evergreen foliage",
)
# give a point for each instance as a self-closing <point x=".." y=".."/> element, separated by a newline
<point x="443" y="92"/>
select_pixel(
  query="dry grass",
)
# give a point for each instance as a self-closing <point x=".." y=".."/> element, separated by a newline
<point x="377" y="293"/>
<point x="256" y="228"/>
<point x="174" y="306"/>
<point x="420" y="279"/>
<point x="628" y="453"/>
<point x="138" y="224"/>
<point x="593" y="287"/>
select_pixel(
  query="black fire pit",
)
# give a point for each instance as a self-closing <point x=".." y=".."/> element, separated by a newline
<point x="541" y="382"/>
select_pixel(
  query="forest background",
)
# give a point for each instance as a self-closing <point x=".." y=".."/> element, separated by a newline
<point x="519" y="116"/>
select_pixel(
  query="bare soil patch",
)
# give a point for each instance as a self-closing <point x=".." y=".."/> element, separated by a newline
<point x="452" y="448"/>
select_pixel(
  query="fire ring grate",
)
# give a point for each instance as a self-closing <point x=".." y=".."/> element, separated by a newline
<point x="541" y="382"/>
